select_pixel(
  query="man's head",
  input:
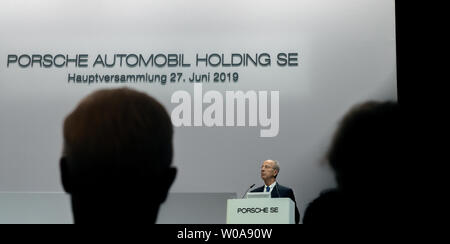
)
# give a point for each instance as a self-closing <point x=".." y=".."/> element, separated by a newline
<point x="269" y="170"/>
<point x="117" y="156"/>
<point x="365" y="151"/>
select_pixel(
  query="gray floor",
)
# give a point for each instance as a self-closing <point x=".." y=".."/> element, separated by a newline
<point x="54" y="208"/>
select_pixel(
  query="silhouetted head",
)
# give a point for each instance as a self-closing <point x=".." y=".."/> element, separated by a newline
<point x="116" y="163"/>
<point x="365" y="155"/>
<point x="365" y="151"/>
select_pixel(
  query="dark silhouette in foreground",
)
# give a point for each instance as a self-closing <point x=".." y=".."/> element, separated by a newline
<point x="116" y="163"/>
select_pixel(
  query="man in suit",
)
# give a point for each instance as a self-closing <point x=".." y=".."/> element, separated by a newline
<point x="269" y="172"/>
<point x="116" y="162"/>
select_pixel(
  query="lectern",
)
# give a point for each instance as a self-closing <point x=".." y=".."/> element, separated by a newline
<point x="260" y="211"/>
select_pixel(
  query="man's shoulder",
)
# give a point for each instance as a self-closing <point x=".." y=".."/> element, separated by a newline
<point x="283" y="188"/>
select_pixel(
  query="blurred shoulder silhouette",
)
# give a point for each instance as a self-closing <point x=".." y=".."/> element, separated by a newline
<point x="116" y="162"/>
<point x="365" y="155"/>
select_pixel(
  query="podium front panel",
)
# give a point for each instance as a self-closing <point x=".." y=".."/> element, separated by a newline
<point x="260" y="211"/>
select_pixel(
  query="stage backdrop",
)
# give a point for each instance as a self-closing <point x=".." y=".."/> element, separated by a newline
<point x="243" y="81"/>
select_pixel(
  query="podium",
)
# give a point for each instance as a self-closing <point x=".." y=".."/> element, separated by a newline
<point x="260" y="211"/>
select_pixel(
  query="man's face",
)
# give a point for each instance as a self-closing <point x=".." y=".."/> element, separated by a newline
<point x="267" y="170"/>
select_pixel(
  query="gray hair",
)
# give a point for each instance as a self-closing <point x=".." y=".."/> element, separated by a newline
<point x="276" y="166"/>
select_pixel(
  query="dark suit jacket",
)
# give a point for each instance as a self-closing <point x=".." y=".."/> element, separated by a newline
<point x="282" y="191"/>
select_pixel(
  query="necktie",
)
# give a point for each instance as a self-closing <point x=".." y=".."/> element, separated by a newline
<point x="267" y="188"/>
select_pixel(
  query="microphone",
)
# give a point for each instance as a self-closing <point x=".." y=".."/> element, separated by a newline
<point x="248" y="190"/>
